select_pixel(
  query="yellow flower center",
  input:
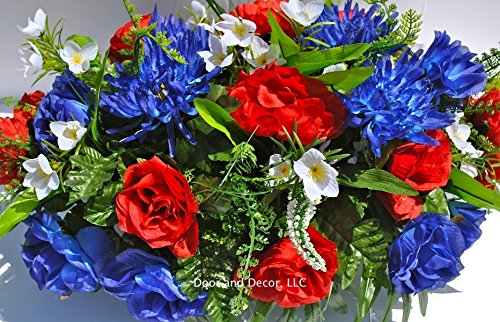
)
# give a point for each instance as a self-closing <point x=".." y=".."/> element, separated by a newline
<point x="318" y="172"/>
<point x="262" y="60"/>
<point x="239" y="29"/>
<point x="285" y="170"/>
<point x="77" y="59"/>
<point x="71" y="132"/>
<point x="219" y="59"/>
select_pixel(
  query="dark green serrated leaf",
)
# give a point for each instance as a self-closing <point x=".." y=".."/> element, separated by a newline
<point x="90" y="170"/>
<point x="377" y="179"/>
<point x="101" y="207"/>
<point x="436" y="202"/>
<point x="346" y="80"/>
<point x="18" y="210"/>
<point x="278" y="37"/>
<point x="313" y="61"/>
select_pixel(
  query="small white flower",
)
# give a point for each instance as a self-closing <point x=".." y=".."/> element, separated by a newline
<point x="68" y="133"/>
<point x="236" y="31"/>
<point x="78" y="58"/>
<point x="283" y="170"/>
<point x="198" y="13"/>
<point x="304" y="12"/>
<point x="208" y="27"/>
<point x="262" y="54"/>
<point x="469" y="169"/>
<point x="335" y="68"/>
<point x="40" y="176"/>
<point x="320" y="178"/>
<point x="459" y="134"/>
<point x="33" y="64"/>
<point x="36" y="27"/>
<point x="217" y="55"/>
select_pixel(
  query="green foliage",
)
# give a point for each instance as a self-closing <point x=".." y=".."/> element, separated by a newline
<point x="289" y="315"/>
<point x="90" y="170"/>
<point x="376" y="179"/>
<point x="101" y="207"/>
<point x="436" y="202"/>
<point x="261" y="310"/>
<point x="406" y="33"/>
<point x="287" y="45"/>
<point x="18" y="210"/>
<point x="491" y="62"/>
<point x="312" y="312"/>
<point x="8" y="101"/>
<point x="346" y="80"/>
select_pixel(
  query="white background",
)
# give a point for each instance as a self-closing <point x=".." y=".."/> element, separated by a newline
<point x="475" y="22"/>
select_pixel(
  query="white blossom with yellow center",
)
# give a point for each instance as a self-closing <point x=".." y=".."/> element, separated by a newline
<point x="68" y="134"/>
<point x="78" y="58"/>
<point x="282" y="170"/>
<point x="237" y="31"/>
<point x="217" y="55"/>
<point x="40" y="176"/>
<point x="262" y="54"/>
<point x="320" y="178"/>
<point x="35" y="27"/>
<point x="304" y="12"/>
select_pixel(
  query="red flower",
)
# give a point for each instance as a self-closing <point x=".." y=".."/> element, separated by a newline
<point x="14" y="134"/>
<point x="284" y="277"/>
<point x="423" y="167"/>
<point x="116" y="43"/>
<point x="277" y="97"/>
<point x="401" y="207"/>
<point x="257" y="12"/>
<point x="489" y="118"/>
<point x="491" y="177"/>
<point x="157" y="205"/>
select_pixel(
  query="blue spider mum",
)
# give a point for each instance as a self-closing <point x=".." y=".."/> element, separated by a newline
<point x="352" y="26"/>
<point x="450" y="67"/>
<point x="163" y="89"/>
<point x="396" y="102"/>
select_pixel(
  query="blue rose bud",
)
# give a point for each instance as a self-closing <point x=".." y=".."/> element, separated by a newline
<point x="149" y="287"/>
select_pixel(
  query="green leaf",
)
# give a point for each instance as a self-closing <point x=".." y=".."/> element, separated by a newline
<point x="101" y="207"/>
<point x="289" y="315"/>
<point x="278" y="37"/>
<point x="406" y="307"/>
<point x="18" y="210"/>
<point x="338" y="304"/>
<point x="423" y="300"/>
<point x="346" y="80"/>
<point x="94" y="128"/>
<point x="216" y="91"/>
<point x="219" y="119"/>
<point x="391" y="299"/>
<point x="313" y="61"/>
<point x="261" y="311"/>
<point x="377" y="179"/>
<point x="90" y="171"/>
<point x="436" y="202"/>
<point x="368" y="293"/>
<point x="80" y="40"/>
<point x="312" y="312"/>
<point x="351" y="268"/>
<point x="472" y="190"/>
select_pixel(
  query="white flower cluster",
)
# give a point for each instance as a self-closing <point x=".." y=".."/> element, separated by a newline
<point x="297" y="232"/>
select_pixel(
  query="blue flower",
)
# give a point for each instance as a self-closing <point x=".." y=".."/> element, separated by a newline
<point x="470" y="219"/>
<point x="396" y="102"/>
<point x="427" y="254"/>
<point x="163" y="89"/>
<point x="149" y="287"/>
<point x="61" y="263"/>
<point x="450" y="69"/>
<point x="67" y="101"/>
<point x="352" y="26"/>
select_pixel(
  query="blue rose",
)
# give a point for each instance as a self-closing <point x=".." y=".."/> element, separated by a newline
<point x="67" y="101"/>
<point x="468" y="219"/>
<point x="427" y="254"/>
<point x="61" y="263"/>
<point x="147" y="284"/>
<point x="451" y="69"/>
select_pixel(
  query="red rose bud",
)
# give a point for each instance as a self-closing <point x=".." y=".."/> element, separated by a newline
<point x="401" y="207"/>
<point x="423" y="167"/>
<point x="257" y="12"/>
<point x="26" y="108"/>
<point x="277" y="97"/>
<point x="158" y="206"/>
<point x="284" y="277"/>
<point x="491" y="119"/>
<point x="117" y="44"/>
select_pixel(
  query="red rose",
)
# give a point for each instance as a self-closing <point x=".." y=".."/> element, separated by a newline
<point x="28" y="105"/>
<point x="489" y="118"/>
<point x="116" y="43"/>
<point x="491" y="177"/>
<point x="157" y="205"/>
<point x="280" y="96"/>
<point x="401" y="207"/>
<point x="423" y="167"/>
<point x="294" y="282"/>
<point x="257" y="12"/>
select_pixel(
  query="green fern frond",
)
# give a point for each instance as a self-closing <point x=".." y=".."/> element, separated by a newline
<point x="491" y="62"/>
<point x="408" y="28"/>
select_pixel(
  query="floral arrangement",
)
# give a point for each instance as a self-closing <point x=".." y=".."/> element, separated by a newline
<point x="269" y="153"/>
